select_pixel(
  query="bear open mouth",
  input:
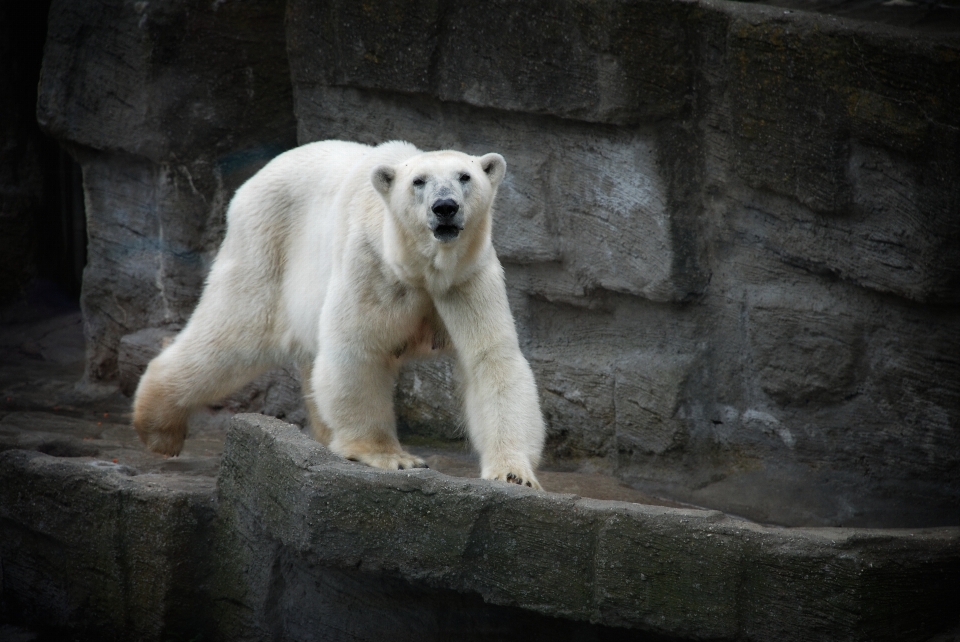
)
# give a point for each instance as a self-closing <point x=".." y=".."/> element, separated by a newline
<point x="445" y="233"/>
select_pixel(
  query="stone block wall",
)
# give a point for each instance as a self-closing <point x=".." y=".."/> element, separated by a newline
<point x="168" y="107"/>
<point x="730" y="233"/>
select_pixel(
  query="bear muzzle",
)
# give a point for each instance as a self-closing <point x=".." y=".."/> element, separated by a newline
<point x="447" y="221"/>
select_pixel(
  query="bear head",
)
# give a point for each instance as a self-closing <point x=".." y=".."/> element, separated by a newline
<point x="442" y="193"/>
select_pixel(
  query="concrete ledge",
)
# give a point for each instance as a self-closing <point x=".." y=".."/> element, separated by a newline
<point x="684" y="573"/>
<point x="90" y="548"/>
<point x="297" y="544"/>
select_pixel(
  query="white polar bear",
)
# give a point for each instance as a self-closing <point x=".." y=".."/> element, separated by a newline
<point x="348" y="259"/>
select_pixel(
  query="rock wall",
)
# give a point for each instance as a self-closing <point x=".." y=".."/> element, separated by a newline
<point x="91" y="548"/>
<point x="730" y="232"/>
<point x="169" y="107"/>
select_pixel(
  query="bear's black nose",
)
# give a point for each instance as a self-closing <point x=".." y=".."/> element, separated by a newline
<point x="445" y="208"/>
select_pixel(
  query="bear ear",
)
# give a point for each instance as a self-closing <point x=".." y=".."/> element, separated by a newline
<point x="382" y="178"/>
<point x="494" y="167"/>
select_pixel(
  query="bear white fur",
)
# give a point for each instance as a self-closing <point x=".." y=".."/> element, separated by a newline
<point x="349" y="259"/>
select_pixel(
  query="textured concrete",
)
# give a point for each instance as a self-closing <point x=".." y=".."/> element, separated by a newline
<point x="87" y="548"/>
<point x="692" y="574"/>
<point x="294" y="543"/>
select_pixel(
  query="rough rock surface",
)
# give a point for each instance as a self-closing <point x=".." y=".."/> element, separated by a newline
<point x="44" y="408"/>
<point x="75" y="478"/>
<point x="169" y="107"/>
<point x="679" y="572"/>
<point x="103" y="552"/>
<point x="297" y="544"/>
<point x="729" y="230"/>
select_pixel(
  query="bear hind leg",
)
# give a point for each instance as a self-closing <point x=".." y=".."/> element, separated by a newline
<point x="189" y="373"/>
<point x="319" y="428"/>
<point x="160" y="422"/>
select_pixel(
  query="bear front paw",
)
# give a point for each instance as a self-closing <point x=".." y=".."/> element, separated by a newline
<point x="389" y="461"/>
<point x="521" y="479"/>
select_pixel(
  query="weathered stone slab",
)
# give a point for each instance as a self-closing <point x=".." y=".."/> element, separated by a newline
<point x="852" y="124"/>
<point x="50" y="434"/>
<point x="428" y="400"/>
<point x="804" y="353"/>
<point x="589" y="199"/>
<point x="884" y="242"/>
<point x="169" y="107"/>
<point x="800" y="87"/>
<point x="649" y="390"/>
<point x="305" y="546"/>
<point x="165" y="80"/>
<point x="152" y="233"/>
<point x="85" y="547"/>
<point x="609" y="62"/>
<point x="685" y="573"/>
<point x="577" y="400"/>
<point x="810" y="109"/>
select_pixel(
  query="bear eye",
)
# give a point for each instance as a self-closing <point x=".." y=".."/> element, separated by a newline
<point x="464" y="178"/>
<point x="418" y="182"/>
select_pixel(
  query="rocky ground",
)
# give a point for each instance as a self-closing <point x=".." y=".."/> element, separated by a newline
<point x="44" y="405"/>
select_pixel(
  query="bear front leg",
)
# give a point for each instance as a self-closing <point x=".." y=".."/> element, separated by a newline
<point x="503" y="415"/>
<point x="353" y="394"/>
<point x="500" y="395"/>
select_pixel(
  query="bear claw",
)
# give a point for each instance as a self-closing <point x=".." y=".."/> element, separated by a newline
<point x="416" y="464"/>
<point x="512" y="478"/>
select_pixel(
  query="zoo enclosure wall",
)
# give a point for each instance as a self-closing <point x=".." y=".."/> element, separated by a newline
<point x="730" y="232"/>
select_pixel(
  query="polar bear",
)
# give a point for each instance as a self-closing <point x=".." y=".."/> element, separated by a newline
<point x="349" y="259"/>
